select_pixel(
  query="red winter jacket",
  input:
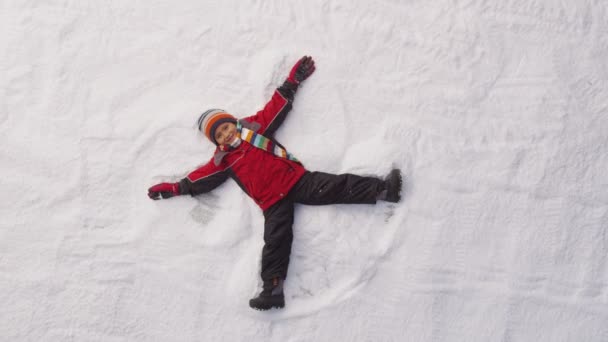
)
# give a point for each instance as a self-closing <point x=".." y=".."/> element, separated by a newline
<point x="263" y="176"/>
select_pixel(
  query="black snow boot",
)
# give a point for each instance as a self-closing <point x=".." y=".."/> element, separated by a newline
<point x="270" y="297"/>
<point x="391" y="191"/>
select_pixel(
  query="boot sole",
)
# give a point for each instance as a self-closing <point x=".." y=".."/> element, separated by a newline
<point x="268" y="308"/>
<point x="394" y="198"/>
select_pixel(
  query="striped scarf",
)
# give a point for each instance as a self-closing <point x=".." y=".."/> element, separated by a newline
<point x="261" y="142"/>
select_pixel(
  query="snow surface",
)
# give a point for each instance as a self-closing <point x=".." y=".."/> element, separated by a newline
<point x="497" y="111"/>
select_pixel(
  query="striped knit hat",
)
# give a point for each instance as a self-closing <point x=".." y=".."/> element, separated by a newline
<point x="211" y="119"/>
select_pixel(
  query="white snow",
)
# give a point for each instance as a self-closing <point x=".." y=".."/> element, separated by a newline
<point x="497" y="111"/>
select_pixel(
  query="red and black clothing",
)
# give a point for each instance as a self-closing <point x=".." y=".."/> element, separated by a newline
<point x="276" y="183"/>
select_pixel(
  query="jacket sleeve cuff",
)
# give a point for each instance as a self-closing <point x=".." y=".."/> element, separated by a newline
<point x="288" y="89"/>
<point x="183" y="187"/>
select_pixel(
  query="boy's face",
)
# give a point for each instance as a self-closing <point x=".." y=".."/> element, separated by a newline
<point x="225" y="133"/>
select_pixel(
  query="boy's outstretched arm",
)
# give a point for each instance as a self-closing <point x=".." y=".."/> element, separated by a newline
<point x="275" y="111"/>
<point x="199" y="181"/>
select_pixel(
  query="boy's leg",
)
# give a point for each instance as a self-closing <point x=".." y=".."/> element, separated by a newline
<point x="278" y="236"/>
<point x="319" y="188"/>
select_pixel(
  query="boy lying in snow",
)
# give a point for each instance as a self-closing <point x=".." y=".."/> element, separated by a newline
<point x="248" y="153"/>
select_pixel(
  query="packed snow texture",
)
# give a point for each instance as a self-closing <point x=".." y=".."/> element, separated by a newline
<point x="497" y="112"/>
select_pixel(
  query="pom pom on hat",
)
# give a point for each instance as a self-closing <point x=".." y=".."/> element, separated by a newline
<point x="210" y="120"/>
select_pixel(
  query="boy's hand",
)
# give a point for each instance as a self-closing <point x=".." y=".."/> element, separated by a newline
<point x="303" y="68"/>
<point x="163" y="190"/>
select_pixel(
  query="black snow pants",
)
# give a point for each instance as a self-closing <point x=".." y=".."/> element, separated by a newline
<point x="314" y="188"/>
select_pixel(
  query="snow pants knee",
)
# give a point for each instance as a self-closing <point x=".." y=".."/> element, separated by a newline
<point x="314" y="188"/>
